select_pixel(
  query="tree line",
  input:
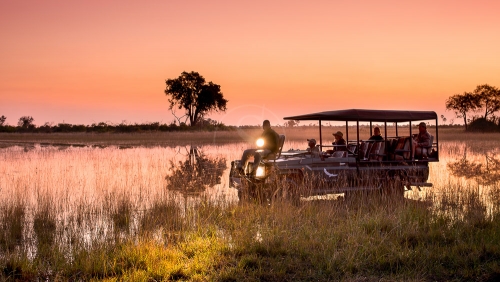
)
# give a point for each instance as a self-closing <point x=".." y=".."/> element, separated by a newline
<point x="191" y="92"/>
<point x="478" y="107"/>
<point x="26" y="124"/>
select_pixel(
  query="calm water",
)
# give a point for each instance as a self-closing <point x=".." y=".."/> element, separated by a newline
<point x="100" y="193"/>
<point x="69" y="175"/>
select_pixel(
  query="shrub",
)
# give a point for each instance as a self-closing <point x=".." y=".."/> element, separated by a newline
<point x="483" y="125"/>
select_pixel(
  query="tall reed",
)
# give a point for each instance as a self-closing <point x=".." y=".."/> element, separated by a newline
<point x="83" y="214"/>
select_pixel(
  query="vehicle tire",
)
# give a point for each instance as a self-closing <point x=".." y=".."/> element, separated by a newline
<point x="291" y="191"/>
<point x="250" y="193"/>
<point x="362" y="195"/>
<point x="393" y="188"/>
<point x="287" y="188"/>
<point x="243" y="195"/>
<point x="351" y="196"/>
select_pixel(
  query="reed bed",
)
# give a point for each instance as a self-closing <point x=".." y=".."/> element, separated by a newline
<point x="82" y="213"/>
<point x="246" y="135"/>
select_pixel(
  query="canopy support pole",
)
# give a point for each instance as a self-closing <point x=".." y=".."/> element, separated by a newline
<point x="320" y="138"/>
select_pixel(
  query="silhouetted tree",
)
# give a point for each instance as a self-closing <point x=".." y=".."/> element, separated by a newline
<point x="489" y="99"/>
<point x="443" y="118"/>
<point x="2" y="120"/>
<point x="461" y="104"/>
<point x="26" y="122"/>
<point x="195" y="174"/>
<point x="191" y="92"/>
<point x="485" y="173"/>
<point x="292" y="123"/>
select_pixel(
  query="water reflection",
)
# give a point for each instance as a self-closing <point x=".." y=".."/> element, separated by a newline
<point x="485" y="172"/>
<point x="196" y="173"/>
<point x="100" y="195"/>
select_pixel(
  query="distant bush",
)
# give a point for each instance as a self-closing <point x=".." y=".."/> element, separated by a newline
<point x="103" y="127"/>
<point x="483" y="125"/>
<point x="8" y="128"/>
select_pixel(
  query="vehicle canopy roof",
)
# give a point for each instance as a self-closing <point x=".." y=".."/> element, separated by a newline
<point x="368" y="115"/>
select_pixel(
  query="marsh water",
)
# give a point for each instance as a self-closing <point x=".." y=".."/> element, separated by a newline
<point x="64" y="182"/>
<point x="69" y="174"/>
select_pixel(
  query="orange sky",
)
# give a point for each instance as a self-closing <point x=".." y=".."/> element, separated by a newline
<point x="90" y="61"/>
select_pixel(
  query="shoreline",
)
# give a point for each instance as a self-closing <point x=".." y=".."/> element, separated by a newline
<point x="158" y="138"/>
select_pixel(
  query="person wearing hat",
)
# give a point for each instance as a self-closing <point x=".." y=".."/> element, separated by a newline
<point x="312" y="149"/>
<point x="339" y="144"/>
<point x="422" y="142"/>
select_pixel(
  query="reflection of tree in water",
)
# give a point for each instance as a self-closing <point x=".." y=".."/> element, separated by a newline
<point x="485" y="173"/>
<point x="195" y="174"/>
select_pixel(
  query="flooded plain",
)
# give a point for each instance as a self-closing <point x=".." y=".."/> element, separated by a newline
<point x="94" y="193"/>
<point x="71" y="174"/>
<point x="74" y="209"/>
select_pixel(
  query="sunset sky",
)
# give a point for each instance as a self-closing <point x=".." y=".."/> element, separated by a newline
<point x="83" y="62"/>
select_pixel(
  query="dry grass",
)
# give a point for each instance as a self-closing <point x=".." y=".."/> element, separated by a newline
<point x="106" y="214"/>
<point x="172" y="139"/>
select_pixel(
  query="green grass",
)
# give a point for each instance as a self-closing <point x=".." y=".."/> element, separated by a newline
<point x="106" y="215"/>
<point x="319" y="240"/>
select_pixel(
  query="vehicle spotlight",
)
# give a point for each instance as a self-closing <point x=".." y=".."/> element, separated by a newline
<point x="260" y="142"/>
<point x="261" y="171"/>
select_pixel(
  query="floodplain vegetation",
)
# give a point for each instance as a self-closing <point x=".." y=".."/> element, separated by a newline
<point x="247" y="134"/>
<point x="118" y="225"/>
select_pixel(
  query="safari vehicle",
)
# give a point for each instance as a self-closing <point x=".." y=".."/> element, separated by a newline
<point x="387" y="167"/>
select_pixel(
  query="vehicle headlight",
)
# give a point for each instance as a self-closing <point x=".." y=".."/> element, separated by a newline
<point x="261" y="171"/>
<point x="260" y="142"/>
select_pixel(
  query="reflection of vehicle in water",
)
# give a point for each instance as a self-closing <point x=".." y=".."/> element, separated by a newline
<point x="388" y="165"/>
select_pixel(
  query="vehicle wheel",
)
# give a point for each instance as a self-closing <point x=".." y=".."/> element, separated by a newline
<point x="351" y="196"/>
<point x="287" y="188"/>
<point x="241" y="196"/>
<point x="364" y="195"/>
<point x="250" y="193"/>
<point x="393" y="189"/>
<point x="291" y="191"/>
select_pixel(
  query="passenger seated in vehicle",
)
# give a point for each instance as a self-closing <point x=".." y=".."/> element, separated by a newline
<point x="270" y="146"/>
<point x="422" y="142"/>
<point x="339" y="144"/>
<point x="376" y="135"/>
<point x="312" y="149"/>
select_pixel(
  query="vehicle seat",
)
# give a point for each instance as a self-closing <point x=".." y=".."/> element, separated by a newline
<point x="402" y="151"/>
<point x="427" y="150"/>
<point x="339" y="154"/>
<point x="394" y="144"/>
<point x="377" y="151"/>
<point x="364" y="149"/>
<point x="352" y="148"/>
<point x="277" y="155"/>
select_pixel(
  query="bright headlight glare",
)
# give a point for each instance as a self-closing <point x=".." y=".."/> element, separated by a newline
<point x="260" y="142"/>
<point x="261" y="171"/>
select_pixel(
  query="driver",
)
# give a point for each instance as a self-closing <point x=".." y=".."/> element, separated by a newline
<point x="270" y="146"/>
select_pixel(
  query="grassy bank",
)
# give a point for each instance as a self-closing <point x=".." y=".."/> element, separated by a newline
<point x="85" y="214"/>
<point x="157" y="138"/>
<point x="317" y="241"/>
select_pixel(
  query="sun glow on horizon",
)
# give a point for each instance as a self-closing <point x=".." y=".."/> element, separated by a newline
<point x="96" y="61"/>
